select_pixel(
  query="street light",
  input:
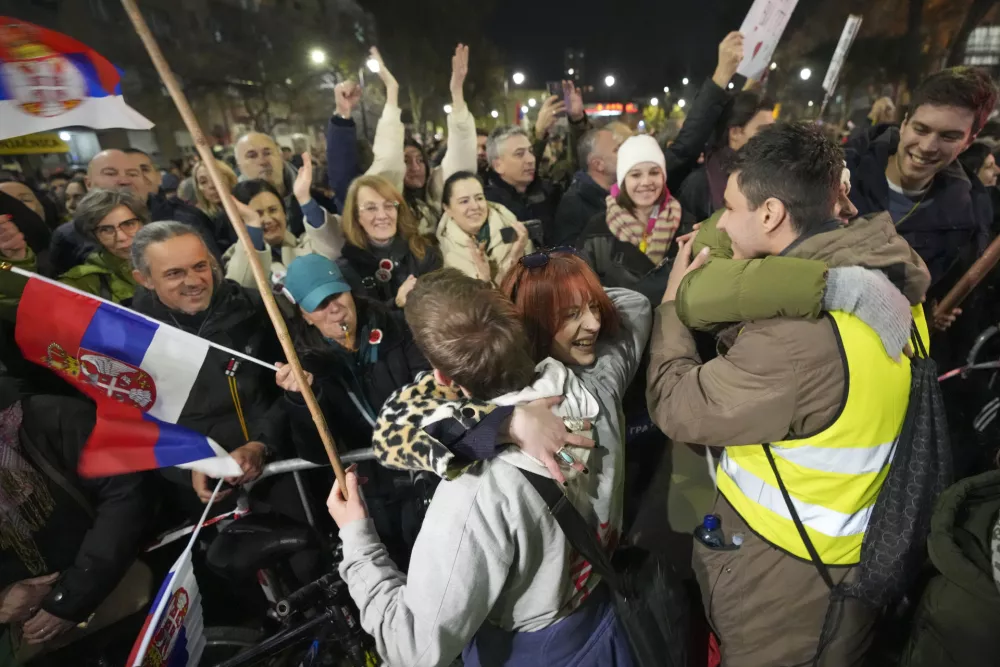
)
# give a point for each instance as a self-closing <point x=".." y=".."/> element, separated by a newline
<point x="373" y="66"/>
<point x="774" y="66"/>
<point x="731" y="85"/>
<point x="495" y="113"/>
<point x="685" y="81"/>
<point x="654" y="102"/>
<point x="532" y="102"/>
<point x="609" y="81"/>
<point x="681" y="103"/>
<point x="317" y="56"/>
<point x="810" y="102"/>
<point x="524" y="109"/>
<point x="571" y="71"/>
<point x="805" y="73"/>
<point x="666" y="89"/>
<point x="518" y="78"/>
<point x="447" y="108"/>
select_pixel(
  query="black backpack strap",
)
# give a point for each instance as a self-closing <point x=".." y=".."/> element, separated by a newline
<point x="574" y="526"/>
<point x="824" y="572"/>
<point x="105" y="288"/>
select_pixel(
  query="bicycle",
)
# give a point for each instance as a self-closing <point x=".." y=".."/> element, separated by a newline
<point x="310" y="626"/>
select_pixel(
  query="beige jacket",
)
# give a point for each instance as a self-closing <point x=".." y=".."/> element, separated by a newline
<point x="776" y="378"/>
<point x="460" y="156"/>
<point x="327" y="240"/>
<point x="455" y="245"/>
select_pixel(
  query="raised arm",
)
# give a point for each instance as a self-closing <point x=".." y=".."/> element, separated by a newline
<point x="461" y="152"/>
<point x="238" y="268"/>
<point x="322" y="227"/>
<point x="618" y="359"/>
<point x="682" y="155"/>
<point x="388" y="148"/>
<point x="342" y="142"/>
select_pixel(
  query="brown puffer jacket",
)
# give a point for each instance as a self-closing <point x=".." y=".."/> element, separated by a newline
<point x="776" y="378"/>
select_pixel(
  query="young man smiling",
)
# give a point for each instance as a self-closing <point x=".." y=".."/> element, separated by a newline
<point x="912" y="173"/>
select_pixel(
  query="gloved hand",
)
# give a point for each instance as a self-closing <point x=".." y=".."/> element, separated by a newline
<point x="872" y="297"/>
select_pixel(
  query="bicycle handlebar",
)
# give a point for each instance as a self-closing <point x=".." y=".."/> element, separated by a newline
<point x="306" y="595"/>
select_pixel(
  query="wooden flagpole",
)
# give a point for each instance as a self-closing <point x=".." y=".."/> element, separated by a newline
<point x="263" y="283"/>
<point x="979" y="270"/>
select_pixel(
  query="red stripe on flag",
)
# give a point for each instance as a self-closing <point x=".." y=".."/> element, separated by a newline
<point x="121" y="442"/>
<point x="49" y="315"/>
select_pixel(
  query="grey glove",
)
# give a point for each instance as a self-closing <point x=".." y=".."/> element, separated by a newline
<point x="870" y="296"/>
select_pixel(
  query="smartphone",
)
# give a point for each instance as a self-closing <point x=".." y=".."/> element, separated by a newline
<point x="556" y="88"/>
<point x="508" y="234"/>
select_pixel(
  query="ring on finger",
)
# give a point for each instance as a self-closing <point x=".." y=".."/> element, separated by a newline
<point x="566" y="457"/>
<point x="573" y="424"/>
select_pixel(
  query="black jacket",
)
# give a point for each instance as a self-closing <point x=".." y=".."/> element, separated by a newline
<point x="584" y="199"/>
<point x="93" y="533"/>
<point x="165" y="208"/>
<point x="682" y="154"/>
<point x="236" y="319"/>
<point x="360" y="267"/>
<point x="351" y="387"/>
<point x="948" y="231"/>
<point x="621" y="264"/>
<point x="538" y="202"/>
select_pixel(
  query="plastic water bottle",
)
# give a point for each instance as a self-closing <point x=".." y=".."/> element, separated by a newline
<point x="709" y="532"/>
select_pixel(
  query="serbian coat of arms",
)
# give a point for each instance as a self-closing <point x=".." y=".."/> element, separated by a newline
<point x="115" y="378"/>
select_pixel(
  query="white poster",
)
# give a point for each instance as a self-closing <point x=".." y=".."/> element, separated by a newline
<point x="761" y="31"/>
<point x="851" y="29"/>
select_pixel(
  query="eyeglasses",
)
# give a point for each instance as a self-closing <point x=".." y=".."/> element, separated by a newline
<point x="109" y="232"/>
<point x="537" y="260"/>
<point x="388" y="208"/>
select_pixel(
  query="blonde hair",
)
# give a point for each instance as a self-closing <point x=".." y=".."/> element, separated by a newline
<point x="228" y="175"/>
<point x="406" y="224"/>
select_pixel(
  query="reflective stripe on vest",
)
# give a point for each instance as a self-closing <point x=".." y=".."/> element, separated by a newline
<point x="833" y="476"/>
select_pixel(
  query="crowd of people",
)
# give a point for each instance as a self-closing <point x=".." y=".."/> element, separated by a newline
<point x="500" y="312"/>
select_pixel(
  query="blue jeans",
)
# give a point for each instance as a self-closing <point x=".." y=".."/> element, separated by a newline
<point x="590" y="637"/>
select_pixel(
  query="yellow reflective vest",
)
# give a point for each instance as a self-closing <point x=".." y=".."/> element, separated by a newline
<point x="833" y="476"/>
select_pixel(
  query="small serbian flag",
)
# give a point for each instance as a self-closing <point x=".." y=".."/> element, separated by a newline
<point x="173" y="634"/>
<point x="139" y="372"/>
<point x="49" y="80"/>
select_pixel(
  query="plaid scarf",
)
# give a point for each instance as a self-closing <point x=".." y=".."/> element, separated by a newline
<point x="626" y="227"/>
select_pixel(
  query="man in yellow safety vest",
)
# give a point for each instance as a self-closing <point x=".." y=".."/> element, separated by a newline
<point x="823" y="393"/>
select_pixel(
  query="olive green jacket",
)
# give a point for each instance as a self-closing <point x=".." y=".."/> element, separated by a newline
<point x="745" y="290"/>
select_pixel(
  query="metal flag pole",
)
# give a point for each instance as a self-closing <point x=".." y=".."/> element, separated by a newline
<point x="263" y="284"/>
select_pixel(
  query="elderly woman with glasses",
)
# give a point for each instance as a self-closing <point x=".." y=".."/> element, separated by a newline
<point x="109" y="219"/>
<point x="385" y="253"/>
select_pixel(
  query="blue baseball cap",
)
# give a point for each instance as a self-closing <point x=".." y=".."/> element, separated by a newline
<point x="311" y="279"/>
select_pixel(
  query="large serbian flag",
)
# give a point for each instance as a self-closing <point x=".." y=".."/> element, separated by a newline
<point x="139" y="372"/>
<point x="49" y="80"/>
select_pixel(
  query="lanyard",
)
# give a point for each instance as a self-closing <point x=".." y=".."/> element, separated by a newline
<point x="650" y="225"/>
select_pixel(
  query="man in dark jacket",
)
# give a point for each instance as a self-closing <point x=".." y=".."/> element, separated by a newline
<point x="182" y="286"/>
<point x="511" y="180"/>
<point x="597" y="150"/>
<point x="68" y="541"/>
<point x="257" y="156"/>
<point x="911" y="172"/>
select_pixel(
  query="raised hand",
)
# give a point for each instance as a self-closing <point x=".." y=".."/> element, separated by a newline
<point x="551" y="108"/>
<point x="459" y="70"/>
<point x="12" y="243"/>
<point x="391" y="85"/>
<point x="348" y="94"/>
<point x="730" y="57"/>
<point x="303" y="181"/>
<point x="575" y="97"/>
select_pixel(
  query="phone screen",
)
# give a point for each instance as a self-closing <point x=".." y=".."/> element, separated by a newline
<point x="508" y="234"/>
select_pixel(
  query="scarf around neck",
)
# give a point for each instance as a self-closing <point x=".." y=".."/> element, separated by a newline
<point x="655" y="234"/>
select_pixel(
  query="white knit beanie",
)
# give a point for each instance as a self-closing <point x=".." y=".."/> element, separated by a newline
<point x="638" y="149"/>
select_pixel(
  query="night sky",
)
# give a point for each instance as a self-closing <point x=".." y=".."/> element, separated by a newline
<point x="645" y="44"/>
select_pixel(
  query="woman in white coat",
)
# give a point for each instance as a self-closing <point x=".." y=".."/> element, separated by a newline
<point x="481" y="239"/>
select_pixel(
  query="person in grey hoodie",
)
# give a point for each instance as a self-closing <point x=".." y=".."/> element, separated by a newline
<point x="491" y="566"/>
